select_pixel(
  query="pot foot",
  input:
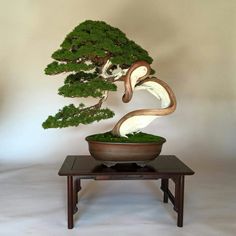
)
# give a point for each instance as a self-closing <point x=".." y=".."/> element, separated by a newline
<point x="142" y="164"/>
<point x="109" y="163"/>
<point x="113" y="163"/>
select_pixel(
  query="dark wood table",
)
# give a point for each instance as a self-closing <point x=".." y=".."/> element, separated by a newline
<point x="164" y="167"/>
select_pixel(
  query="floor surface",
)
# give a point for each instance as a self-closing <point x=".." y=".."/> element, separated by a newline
<point x="33" y="202"/>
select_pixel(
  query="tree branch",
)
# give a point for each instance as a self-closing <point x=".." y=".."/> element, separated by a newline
<point x="100" y="102"/>
<point x="115" y="75"/>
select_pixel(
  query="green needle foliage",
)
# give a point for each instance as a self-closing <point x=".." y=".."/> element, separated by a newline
<point x="74" y="116"/>
<point x="85" y="85"/>
<point x="83" y="53"/>
<point x="95" y="41"/>
<point x="57" y="68"/>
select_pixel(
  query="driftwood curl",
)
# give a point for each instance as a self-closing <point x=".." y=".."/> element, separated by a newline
<point x="127" y="79"/>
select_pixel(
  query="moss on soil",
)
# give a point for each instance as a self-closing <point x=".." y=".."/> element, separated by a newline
<point x="132" y="138"/>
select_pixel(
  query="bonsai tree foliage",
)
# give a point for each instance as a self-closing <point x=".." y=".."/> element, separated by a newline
<point x="95" y="55"/>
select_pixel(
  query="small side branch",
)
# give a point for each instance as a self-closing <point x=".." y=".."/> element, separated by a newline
<point x="100" y="102"/>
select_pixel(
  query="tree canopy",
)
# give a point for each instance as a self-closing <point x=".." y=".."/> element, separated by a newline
<point x="84" y="53"/>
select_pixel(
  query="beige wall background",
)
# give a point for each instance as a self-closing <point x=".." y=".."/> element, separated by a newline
<point x="194" y="51"/>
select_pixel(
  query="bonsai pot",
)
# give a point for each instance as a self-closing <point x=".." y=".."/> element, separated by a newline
<point x="111" y="153"/>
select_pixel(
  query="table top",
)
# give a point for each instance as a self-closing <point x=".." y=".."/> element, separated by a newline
<point x="86" y="166"/>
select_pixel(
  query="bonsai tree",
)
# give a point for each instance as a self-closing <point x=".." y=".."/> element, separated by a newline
<point x="95" y="56"/>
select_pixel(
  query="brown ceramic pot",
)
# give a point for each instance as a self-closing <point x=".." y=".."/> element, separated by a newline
<point x="112" y="153"/>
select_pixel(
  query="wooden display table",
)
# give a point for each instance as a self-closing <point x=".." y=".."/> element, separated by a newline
<point x="163" y="167"/>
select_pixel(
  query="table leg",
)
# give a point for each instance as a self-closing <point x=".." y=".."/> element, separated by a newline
<point x="77" y="188"/>
<point x="70" y="206"/>
<point x="179" y="199"/>
<point x="164" y="187"/>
